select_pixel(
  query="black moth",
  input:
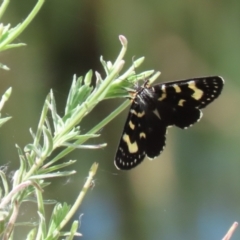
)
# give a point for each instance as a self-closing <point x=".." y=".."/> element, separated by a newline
<point x="155" y="108"/>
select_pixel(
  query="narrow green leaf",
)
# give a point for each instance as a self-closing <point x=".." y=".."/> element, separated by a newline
<point x="4" y="67"/>
<point x="80" y="146"/>
<point x="47" y="143"/>
<point x="14" y="45"/>
<point x="5" y="97"/>
<point x="73" y="232"/>
<point x="3" y="7"/>
<point x="40" y="125"/>
<point x="4" y="183"/>
<point x="71" y="94"/>
<point x="30" y="147"/>
<point x="53" y="175"/>
<point x="58" y="214"/>
<point x="41" y="232"/>
<point x="88" y="78"/>
<point x="46" y="169"/>
<point x="32" y="234"/>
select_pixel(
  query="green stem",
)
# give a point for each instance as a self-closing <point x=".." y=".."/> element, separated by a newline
<point x="93" y="99"/>
<point x="123" y="41"/>
<point x="95" y="129"/>
<point x="23" y="25"/>
<point x="79" y="199"/>
<point x="97" y="95"/>
<point x="109" y="118"/>
<point x="37" y="139"/>
<point x="11" y="222"/>
<point x="42" y="229"/>
<point x="3" y="7"/>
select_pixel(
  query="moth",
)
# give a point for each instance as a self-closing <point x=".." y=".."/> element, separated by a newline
<point x="158" y="107"/>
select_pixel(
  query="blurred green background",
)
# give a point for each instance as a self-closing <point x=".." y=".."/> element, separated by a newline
<point x="192" y="190"/>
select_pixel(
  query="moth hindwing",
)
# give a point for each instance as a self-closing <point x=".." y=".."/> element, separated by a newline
<point x="155" y="108"/>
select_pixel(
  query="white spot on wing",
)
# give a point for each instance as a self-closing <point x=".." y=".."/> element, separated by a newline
<point x="164" y="94"/>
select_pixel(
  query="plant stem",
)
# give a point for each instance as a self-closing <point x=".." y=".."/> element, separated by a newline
<point x="93" y="99"/>
<point x="80" y="197"/>
<point x="23" y="25"/>
<point x="95" y="129"/>
<point x="3" y="7"/>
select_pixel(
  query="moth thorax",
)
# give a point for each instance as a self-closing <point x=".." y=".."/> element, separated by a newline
<point x="146" y="96"/>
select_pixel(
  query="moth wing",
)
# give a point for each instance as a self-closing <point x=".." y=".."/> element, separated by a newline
<point x="179" y="102"/>
<point x="132" y="146"/>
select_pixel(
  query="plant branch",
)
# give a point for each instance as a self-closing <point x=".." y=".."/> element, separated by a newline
<point x="231" y="231"/>
<point x="3" y="7"/>
<point x="14" y="34"/>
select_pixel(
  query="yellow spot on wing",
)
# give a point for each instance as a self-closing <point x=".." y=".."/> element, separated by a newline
<point x="164" y="95"/>
<point x="142" y="135"/>
<point x="140" y="114"/>
<point x="131" y="125"/>
<point x="132" y="147"/>
<point x="181" y="102"/>
<point x="177" y="88"/>
<point x="198" y="93"/>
